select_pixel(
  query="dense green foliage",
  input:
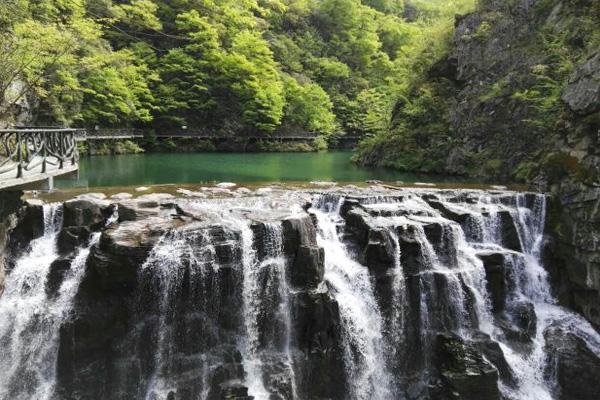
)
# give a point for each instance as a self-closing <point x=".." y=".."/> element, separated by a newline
<point x="229" y="66"/>
<point x="505" y="119"/>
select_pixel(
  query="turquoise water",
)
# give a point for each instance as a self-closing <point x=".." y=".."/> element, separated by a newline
<point x="152" y="169"/>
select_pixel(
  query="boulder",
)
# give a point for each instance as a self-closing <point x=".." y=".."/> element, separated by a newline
<point x="379" y="253"/>
<point x="492" y="351"/>
<point x="122" y="249"/>
<point x="89" y="212"/>
<point x="518" y="322"/>
<point x="10" y="204"/>
<point x="465" y="371"/>
<point x="572" y="365"/>
<point x="357" y="228"/>
<point x="56" y="274"/>
<point x="72" y="237"/>
<point x="448" y="212"/>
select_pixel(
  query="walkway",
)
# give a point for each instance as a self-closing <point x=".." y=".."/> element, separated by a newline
<point x="35" y="155"/>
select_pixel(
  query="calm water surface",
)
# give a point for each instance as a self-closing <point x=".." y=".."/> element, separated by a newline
<point x="153" y="169"/>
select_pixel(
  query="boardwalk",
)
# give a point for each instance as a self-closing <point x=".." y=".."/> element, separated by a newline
<point x="30" y="156"/>
<point x="130" y="133"/>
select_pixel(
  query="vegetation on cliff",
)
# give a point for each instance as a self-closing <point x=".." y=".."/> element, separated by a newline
<point x="262" y="66"/>
<point x="503" y="101"/>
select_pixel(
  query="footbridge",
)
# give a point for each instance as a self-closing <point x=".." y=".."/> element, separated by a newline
<point x="34" y="156"/>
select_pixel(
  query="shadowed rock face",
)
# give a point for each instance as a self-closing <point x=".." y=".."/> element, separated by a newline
<point x="573" y="363"/>
<point x="267" y="297"/>
<point x="10" y="202"/>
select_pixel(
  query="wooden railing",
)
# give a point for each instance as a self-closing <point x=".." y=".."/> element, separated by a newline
<point x="36" y="150"/>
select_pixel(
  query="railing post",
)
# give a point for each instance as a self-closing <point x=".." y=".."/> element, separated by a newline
<point x="44" y="153"/>
<point x="19" y="157"/>
<point x="62" y="150"/>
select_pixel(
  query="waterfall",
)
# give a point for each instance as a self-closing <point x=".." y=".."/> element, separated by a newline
<point x="229" y="298"/>
<point x="361" y="320"/>
<point x="266" y="294"/>
<point x="30" y="319"/>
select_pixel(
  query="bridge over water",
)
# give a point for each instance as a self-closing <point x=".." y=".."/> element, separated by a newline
<point x="36" y="155"/>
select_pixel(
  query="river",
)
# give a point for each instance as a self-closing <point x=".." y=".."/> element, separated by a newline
<point x="163" y="168"/>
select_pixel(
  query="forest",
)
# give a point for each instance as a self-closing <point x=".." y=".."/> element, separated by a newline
<point x="229" y="67"/>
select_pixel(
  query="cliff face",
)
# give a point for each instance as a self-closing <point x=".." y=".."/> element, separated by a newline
<point x="518" y="98"/>
<point x="528" y="90"/>
<point x="528" y="106"/>
<point x="10" y="203"/>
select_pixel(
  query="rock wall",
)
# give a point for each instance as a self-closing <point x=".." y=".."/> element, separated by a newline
<point x="10" y="203"/>
<point x="502" y="53"/>
<point x="518" y="98"/>
<point x="292" y="295"/>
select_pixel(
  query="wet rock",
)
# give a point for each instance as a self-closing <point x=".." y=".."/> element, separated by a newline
<point x="123" y="249"/>
<point x="379" y="252"/>
<point x="465" y="371"/>
<point x="509" y="232"/>
<point x="91" y="196"/>
<point x="58" y="270"/>
<point x="320" y="372"/>
<point x="72" y="237"/>
<point x="519" y="322"/>
<point x="572" y="364"/>
<point x="305" y="257"/>
<point x="148" y="206"/>
<point x="357" y="228"/>
<point x="495" y="273"/>
<point x="243" y="190"/>
<point x="234" y="391"/>
<point x="348" y="204"/>
<point x="226" y="185"/>
<point x="10" y="204"/>
<point x="30" y="226"/>
<point x="491" y="350"/>
<point x="154" y="200"/>
<point x="447" y="212"/>
<point x="121" y="196"/>
<point x="411" y="251"/>
<point x="81" y="217"/>
<point x="89" y="212"/>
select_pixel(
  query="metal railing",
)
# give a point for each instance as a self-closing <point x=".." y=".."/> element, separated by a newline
<point x="23" y="150"/>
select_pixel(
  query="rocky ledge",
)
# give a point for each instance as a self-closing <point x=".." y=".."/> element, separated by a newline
<point x="164" y="307"/>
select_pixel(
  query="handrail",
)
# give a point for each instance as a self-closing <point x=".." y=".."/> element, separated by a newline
<point x="37" y="130"/>
<point x="23" y="150"/>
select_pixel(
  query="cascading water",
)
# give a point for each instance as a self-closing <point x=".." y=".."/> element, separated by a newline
<point x="27" y="325"/>
<point x="31" y="317"/>
<point x="266" y="295"/>
<point x="361" y="320"/>
<point x="230" y="301"/>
